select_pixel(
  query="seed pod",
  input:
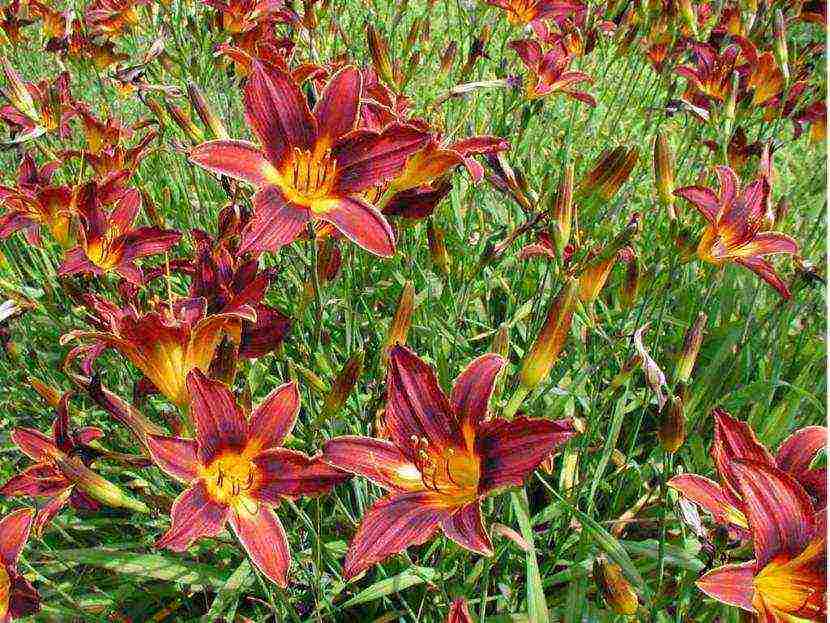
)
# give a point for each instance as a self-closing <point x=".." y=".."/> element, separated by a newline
<point x="672" y="431"/>
<point x="562" y="210"/>
<point x="206" y="114"/>
<point x="399" y="328"/>
<point x="554" y="332"/>
<point x="381" y="60"/>
<point x="664" y="173"/>
<point x="631" y="284"/>
<point x="437" y="248"/>
<point x="691" y="347"/>
<point x="618" y="593"/>
<point x="342" y="386"/>
<point x="780" y="45"/>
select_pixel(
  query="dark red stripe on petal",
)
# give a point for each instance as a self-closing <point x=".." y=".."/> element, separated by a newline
<point x="472" y="390"/>
<point x="703" y="199"/>
<point x="193" y="516"/>
<point x="14" y="531"/>
<point x="363" y="225"/>
<point x="219" y="421"/>
<point x="274" y="418"/>
<point x="735" y="440"/>
<point x="262" y="535"/>
<point x="731" y="584"/>
<point x="466" y="527"/>
<point x="288" y="473"/>
<point x="336" y="111"/>
<point x="459" y="612"/>
<point x="33" y="443"/>
<point x="707" y="494"/>
<point x="239" y="160"/>
<point x="799" y="449"/>
<point x="765" y="271"/>
<point x="275" y="222"/>
<point x="376" y="459"/>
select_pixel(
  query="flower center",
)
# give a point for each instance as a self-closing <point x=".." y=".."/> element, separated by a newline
<point x="309" y="176"/>
<point x="230" y="477"/>
<point x="794" y="586"/>
<point x="452" y="472"/>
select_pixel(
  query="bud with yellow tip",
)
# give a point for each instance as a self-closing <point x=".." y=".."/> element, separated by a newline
<point x="691" y="347"/>
<point x="619" y="595"/>
<point x="672" y="430"/>
<point x="399" y="328"/>
<point x="342" y="386"/>
<point x="664" y="173"/>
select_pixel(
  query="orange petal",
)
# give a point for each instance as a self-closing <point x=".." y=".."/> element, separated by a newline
<point x="731" y="584"/>
<point x="472" y="390"/>
<point x="710" y="496"/>
<point x="193" y="516"/>
<point x="288" y="473"/>
<point x="275" y="222"/>
<point x="376" y="459"/>
<point x="735" y="440"/>
<point x="466" y="527"/>
<point x="362" y="224"/>
<point x="274" y="418"/>
<point x="14" y="532"/>
<point x="175" y="456"/>
<point x="459" y="612"/>
<point x="262" y="535"/>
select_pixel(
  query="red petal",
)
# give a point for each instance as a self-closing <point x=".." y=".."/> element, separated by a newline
<point x="14" y="532"/>
<point x="23" y="598"/>
<point x="799" y="449"/>
<point x="709" y="495"/>
<point x="33" y="443"/>
<point x="703" y="199"/>
<point x="288" y="473"/>
<point x="49" y="510"/>
<point x="274" y="418"/>
<point x="362" y="224"/>
<point x="459" y="612"/>
<point x="219" y="422"/>
<point x="149" y="241"/>
<point x="376" y="459"/>
<point x="472" y="390"/>
<point x="731" y="584"/>
<point x="240" y="160"/>
<point x="768" y="243"/>
<point x="277" y="112"/>
<point x="729" y="185"/>
<point x="765" y="271"/>
<point x="779" y="511"/>
<point x="391" y="525"/>
<point x="466" y="527"/>
<point x="416" y="406"/>
<point x="529" y="51"/>
<point x="193" y="516"/>
<point x="39" y="480"/>
<point x="263" y="537"/>
<point x="510" y="451"/>
<point x="175" y="456"/>
<point x="735" y="440"/>
<point x="275" y="222"/>
<point x="75" y="261"/>
<point x="336" y="111"/>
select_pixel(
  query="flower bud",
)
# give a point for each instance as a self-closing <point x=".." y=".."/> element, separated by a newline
<point x="540" y="358"/>
<point x="183" y="120"/>
<point x="730" y="107"/>
<point x="631" y="284"/>
<point x="562" y="210"/>
<point x="17" y="92"/>
<point x="448" y="57"/>
<point x="437" y="248"/>
<point x="691" y="347"/>
<point x="672" y="431"/>
<point x="310" y="378"/>
<point x="593" y="277"/>
<point x="381" y="60"/>
<point x="611" y="170"/>
<point x="780" y="45"/>
<point x="342" y="386"/>
<point x="618" y="593"/>
<point x="399" y="328"/>
<point x="664" y="173"/>
<point x="96" y="486"/>
<point x="47" y="392"/>
<point x="501" y="341"/>
<point x="205" y="113"/>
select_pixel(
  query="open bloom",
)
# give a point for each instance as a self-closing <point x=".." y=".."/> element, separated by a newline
<point x="526" y="11"/>
<point x="311" y="165"/>
<point x="711" y="74"/>
<point x="787" y="580"/>
<point x="550" y="73"/>
<point x="236" y="471"/>
<point x="108" y="243"/>
<point x="18" y="598"/>
<point x="459" y="612"/>
<point x="442" y="458"/>
<point x="735" y="219"/>
<point x="735" y="440"/>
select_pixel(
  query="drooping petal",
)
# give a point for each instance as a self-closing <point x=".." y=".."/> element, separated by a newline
<point x="146" y="241"/>
<point x="193" y="516"/>
<point x="466" y="527"/>
<point x="765" y="271"/>
<point x="33" y="443"/>
<point x="511" y="450"/>
<point x="710" y="496"/>
<point x="39" y="480"/>
<point x="376" y="459"/>
<point x="277" y="112"/>
<point x="779" y="511"/>
<point x="262" y="535"/>
<point x="288" y="473"/>
<point x="275" y="222"/>
<point x="731" y="584"/>
<point x="416" y="407"/>
<point x="799" y="449"/>
<point x="239" y="160"/>
<point x="529" y="51"/>
<point x="703" y="199"/>
<point x="733" y="440"/>
<point x="175" y="456"/>
<point x="336" y="111"/>
<point x="274" y="418"/>
<point x="472" y="389"/>
<point x="219" y="422"/>
<point x="49" y="511"/>
<point x="390" y="526"/>
<point x="362" y="224"/>
<point x="14" y="532"/>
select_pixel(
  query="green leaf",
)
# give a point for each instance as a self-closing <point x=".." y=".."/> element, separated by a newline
<point x="537" y="607"/>
<point x="411" y="577"/>
<point x="228" y="596"/>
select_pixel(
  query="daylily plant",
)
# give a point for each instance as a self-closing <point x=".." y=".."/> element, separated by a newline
<point x="443" y="457"/>
<point x="736" y="220"/>
<point x="550" y="73"/>
<point x="311" y="166"/>
<point x="18" y="598"/>
<point x="523" y="12"/>
<point x="236" y="471"/>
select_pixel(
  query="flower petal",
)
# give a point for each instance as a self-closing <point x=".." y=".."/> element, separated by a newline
<point x="472" y="390"/>
<point x="39" y="480"/>
<point x="75" y="261"/>
<point x="779" y="511"/>
<point x="274" y="418"/>
<point x="376" y="459"/>
<point x="49" y="510"/>
<point x="193" y="515"/>
<point x="731" y="584"/>
<point x="175" y="456"/>
<point x="146" y="241"/>
<point x="416" y="407"/>
<point x="362" y="224"/>
<point x="275" y="222"/>
<point x="765" y="271"/>
<point x="219" y="422"/>
<point x="710" y="496"/>
<point x="336" y="111"/>
<point x="263" y="537"/>
<point x="23" y="598"/>
<point x="799" y="449"/>
<point x="767" y="243"/>
<point x="14" y="532"/>
<point x="735" y="440"/>
<point x="728" y="185"/>
<point x="34" y="444"/>
<point x="466" y="527"/>
<point x="239" y="160"/>
<point x="391" y="525"/>
<point x="510" y="451"/>
<point x="288" y="473"/>
<point x="459" y="612"/>
<point x="703" y="199"/>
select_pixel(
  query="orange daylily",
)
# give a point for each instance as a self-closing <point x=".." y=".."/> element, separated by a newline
<point x="12" y="19"/>
<point x="711" y="75"/>
<point x="550" y="71"/>
<point x="18" y="598"/>
<point x="443" y="457"/>
<point x="112" y="17"/>
<point x="523" y="12"/>
<point x="236" y="471"/>
<point x="734" y="233"/>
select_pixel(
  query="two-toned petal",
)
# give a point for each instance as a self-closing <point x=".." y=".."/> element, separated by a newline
<point x="710" y="496"/>
<point x="361" y="223"/>
<point x="175" y="456"/>
<point x="735" y="440"/>
<point x="14" y="532"/>
<point x="466" y="527"/>
<point x="471" y="392"/>
<point x="288" y="473"/>
<point x="731" y="584"/>
<point x="275" y="222"/>
<point x="219" y="421"/>
<point x="376" y="459"/>
<point x="194" y="515"/>
<point x="239" y="160"/>
<point x="274" y="418"/>
<point x="336" y="111"/>
<point x="262" y="535"/>
<point x="703" y="199"/>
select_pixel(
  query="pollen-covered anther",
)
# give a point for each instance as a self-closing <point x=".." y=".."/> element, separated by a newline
<point x="310" y="175"/>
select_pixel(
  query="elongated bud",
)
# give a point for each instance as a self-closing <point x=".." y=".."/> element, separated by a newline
<point x="448" y="57"/>
<point x="730" y="108"/>
<point x="664" y="173"/>
<point x="205" y="113"/>
<point x="399" y="328"/>
<point x="47" y="392"/>
<point x="593" y="276"/>
<point x="689" y="17"/>
<point x="310" y="378"/>
<point x="631" y="284"/>
<point x="381" y="60"/>
<point x="545" y="351"/>
<point x="780" y="45"/>
<point x="96" y="486"/>
<point x="691" y="347"/>
<point x="501" y="341"/>
<point x="437" y="248"/>
<point x="672" y="431"/>
<point x="17" y="92"/>
<point x="562" y="210"/>
<point x="611" y="170"/>
<point x="625" y="373"/>
<point x="412" y="36"/>
<point x="183" y="120"/>
<point x="342" y="386"/>
<point x="616" y="590"/>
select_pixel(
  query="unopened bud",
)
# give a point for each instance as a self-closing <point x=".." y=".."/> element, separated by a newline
<point x="672" y="431"/>
<point x="183" y="120"/>
<point x="47" y="392"/>
<point x="342" y="386"/>
<point x="501" y="341"/>
<point x="96" y="486"/>
<point x="730" y="107"/>
<point x="310" y="378"/>
<point x="616" y="590"/>
<point x="780" y="45"/>
<point x="437" y="248"/>
<point x="691" y="347"/>
<point x="448" y="56"/>
<point x="17" y="92"/>
<point x="664" y="173"/>
<point x="610" y="172"/>
<point x="562" y="210"/>
<point x="631" y="284"/>
<point x="381" y="61"/>
<point x="399" y="328"/>
<point x="205" y="113"/>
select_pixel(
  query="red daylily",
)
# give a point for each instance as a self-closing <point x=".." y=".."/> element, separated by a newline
<point x="311" y="166"/>
<point x="239" y="16"/>
<point x="739" y="150"/>
<point x="787" y="581"/>
<point x="236" y="472"/>
<point x="711" y="76"/>
<point x="112" y="17"/>
<point x="735" y="219"/>
<point x="18" y="598"/>
<point x="12" y="19"/>
<point x="735" y="440"/>
<point x="107" y="241"/>
<point x="814" y="115"/>
<point x="444" y="456"/>
<point x="36" y="107"/>
<point x="459" y="612"/>
<point x="45" y="478"/>
<point x="527" y="11"/>
<point x="550" y="73"/>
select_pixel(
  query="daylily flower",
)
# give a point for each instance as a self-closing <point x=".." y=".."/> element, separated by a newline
<point x="311" y="166"/>
<point x="711" y="75"/>
<point x="12" y="19"/>
<point x="550" y="73"/>
<point x="112" y="17"/>
<point x="522" y="12"/>
<point x="167" y="343"/>
<point x="236" y="471"/>
<point x="787" y="581"/>
<point x="735" y="440"/>
<point x="108" y="243"/>
<point x="442" y="459"/>
<point x="735" y="219"/>
<point x="35" y="107"/>
<point x="739" y="150"/>
<point x="238" y="16"/>
<point x="459" y="612"/>
<point x="814" y="115"/>
<point x="18" y="598"/>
